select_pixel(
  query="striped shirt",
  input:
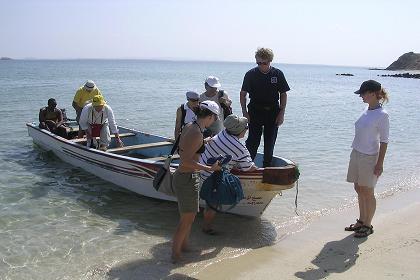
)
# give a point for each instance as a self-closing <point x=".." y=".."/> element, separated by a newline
<point x="225" y="144"/>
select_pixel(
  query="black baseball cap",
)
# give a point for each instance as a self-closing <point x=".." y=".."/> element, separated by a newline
<point x="369" y="85"/>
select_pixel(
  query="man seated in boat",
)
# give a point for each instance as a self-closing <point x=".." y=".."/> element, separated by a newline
<point x="51" y="119"/>
<point x="225" y="143"/>
<point x="97" y="120"/>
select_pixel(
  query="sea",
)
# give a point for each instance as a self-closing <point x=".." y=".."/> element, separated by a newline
<point x="60" y="222"/>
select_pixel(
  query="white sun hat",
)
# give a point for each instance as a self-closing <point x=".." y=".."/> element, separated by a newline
<point x="211" y="106"/>
<point x="213" y="82"/>
<point x="89" y="85"/>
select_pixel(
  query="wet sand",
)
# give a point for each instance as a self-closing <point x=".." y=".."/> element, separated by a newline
<point x="325" y="250"/>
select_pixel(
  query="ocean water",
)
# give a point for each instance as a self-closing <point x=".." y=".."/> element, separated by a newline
<point x="59" y="222"/>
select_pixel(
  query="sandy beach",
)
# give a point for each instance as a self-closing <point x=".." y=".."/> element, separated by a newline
<point x="325" y="251"/>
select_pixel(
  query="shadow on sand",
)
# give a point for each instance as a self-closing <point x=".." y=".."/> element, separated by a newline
<point x="335" y="257"/>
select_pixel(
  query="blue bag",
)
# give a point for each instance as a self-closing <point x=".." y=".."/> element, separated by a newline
<point x="221" y="188"/>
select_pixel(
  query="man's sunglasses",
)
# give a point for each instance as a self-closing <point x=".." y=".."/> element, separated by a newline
<point x="263" y="62"/>
<point x="192" y="100"/>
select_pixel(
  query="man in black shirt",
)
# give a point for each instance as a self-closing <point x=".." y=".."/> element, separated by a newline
<point x="266" y="86"/>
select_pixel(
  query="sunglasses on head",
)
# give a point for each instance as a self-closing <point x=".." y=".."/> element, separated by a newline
<point x="263" y="62"/>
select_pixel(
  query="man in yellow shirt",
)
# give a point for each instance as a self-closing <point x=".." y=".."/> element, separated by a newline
<point x="83" y="96"/>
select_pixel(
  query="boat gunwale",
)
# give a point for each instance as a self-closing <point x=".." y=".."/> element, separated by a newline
<point x="246" y="175"/>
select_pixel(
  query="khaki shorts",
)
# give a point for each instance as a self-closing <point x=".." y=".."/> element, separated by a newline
<point x="361" y="167"/>
<point x="187" y="187"/>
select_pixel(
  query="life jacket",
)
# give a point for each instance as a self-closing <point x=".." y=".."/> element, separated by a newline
<point x="183" y="114"/>
<point x="96" y="127"/>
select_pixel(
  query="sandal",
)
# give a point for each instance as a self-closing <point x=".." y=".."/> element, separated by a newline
<point x="210" y="231"/>
<point x="353" y="227"/>
<point x="365" y="231"/>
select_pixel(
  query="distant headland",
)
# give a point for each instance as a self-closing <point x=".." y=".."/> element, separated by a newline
<point x="5" y="58"/>
<point x="408" y="61"/>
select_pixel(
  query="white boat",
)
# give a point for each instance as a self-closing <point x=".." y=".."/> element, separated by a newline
<point x="134" y="166"/>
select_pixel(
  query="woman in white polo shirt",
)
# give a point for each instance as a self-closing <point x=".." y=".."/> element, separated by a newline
<point x="367" y="158"/>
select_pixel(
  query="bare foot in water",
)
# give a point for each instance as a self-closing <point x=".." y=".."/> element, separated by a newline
<point x="176" y="259"/>
<point x="189" y="249"/>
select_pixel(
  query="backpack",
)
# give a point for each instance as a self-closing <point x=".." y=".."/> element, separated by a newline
<point x="183" y="114"/>
<point x="221" y="188"/>
<point x="227" y="110"/>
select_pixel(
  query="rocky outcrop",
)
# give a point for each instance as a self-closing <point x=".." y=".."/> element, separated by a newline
<point x="403" y="75"/>
<point x="344" y="74"/>
<point x="408" y="61"/>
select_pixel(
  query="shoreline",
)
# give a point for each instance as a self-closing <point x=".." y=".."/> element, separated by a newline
<point x="325" y="250"/>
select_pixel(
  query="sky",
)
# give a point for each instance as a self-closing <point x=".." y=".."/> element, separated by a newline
<point x="352" y="33"/>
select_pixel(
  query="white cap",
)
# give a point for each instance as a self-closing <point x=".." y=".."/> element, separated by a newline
<point x="211" y="106"/>
<point x="192" y="95"/>
<point x="89" y="85"/>
<point x="213" y="81"/>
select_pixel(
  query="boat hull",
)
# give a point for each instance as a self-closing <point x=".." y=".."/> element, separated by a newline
<point x="137" y="174"/>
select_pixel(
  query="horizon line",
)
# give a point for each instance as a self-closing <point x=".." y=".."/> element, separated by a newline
<point x="188" y="60"/>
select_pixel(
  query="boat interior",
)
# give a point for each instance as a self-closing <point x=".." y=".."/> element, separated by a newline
<point x="146" y="146"/>
<point x="136" y="144"/>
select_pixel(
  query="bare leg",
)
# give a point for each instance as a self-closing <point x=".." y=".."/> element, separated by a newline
<point x="370" y="205"/>
<point x="368" y="201"/>
<point x="209" y="215"/>
<point x="181" y="235"/>
<point x="361" y="203"/>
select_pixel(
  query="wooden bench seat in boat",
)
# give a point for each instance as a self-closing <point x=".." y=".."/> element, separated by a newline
<point x="72" y="128"/>
<point x="139" y="146"/>
<point x="162" y="158"/>
<point x="122" y="135"/>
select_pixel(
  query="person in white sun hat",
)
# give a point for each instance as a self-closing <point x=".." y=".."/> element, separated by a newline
<point x="83" y="96"/>
<point x="186" y="179"/>
<point x="213" y="93"/>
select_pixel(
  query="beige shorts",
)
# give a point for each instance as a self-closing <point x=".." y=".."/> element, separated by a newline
<point x="361" y="167"/>
<point x="187" y="187"/>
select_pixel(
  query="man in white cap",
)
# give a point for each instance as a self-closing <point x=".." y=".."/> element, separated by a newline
<point x="83" y="96"/>
<point x="212" y="93"/>
<point x="97" y="119"/>
<point x="186" y="112"/>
